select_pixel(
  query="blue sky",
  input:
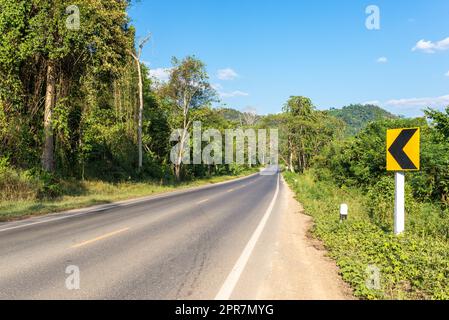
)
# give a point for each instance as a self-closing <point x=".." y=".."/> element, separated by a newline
<point x="260" y="52"/>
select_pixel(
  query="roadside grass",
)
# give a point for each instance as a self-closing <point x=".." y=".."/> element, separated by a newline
<point x="78" y="194"/>
<point x="412" y="266"/>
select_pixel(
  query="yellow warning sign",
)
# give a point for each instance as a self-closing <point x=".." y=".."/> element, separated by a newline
<point x="403" y="149"/>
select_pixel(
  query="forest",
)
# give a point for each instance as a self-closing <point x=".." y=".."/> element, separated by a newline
<point x="76" y="105"/>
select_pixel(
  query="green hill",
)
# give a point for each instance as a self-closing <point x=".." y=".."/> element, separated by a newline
<point x="230" y="114"/>
<point x="357" y="116"/>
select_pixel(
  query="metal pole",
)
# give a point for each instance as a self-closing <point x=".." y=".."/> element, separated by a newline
<point x="399" y="206"/>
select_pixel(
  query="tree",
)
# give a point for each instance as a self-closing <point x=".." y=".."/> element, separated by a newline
<point x="440" y="121"/>
<point x="187" y="89"/>
<point x="62" y="57"/>
<point x="307" y="132"/>
<point x="140" y="84"/>
<point x="299" y="106"/>
<point x="50" y="100"/>
<point x="250" y="117"/>
<point x="300" y="111"/>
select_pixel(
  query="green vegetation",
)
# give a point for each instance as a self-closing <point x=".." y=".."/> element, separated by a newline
<point x="352" y="170"/>
<point x="231" y="114"/>
<point x="358" y="116"/>
<point x="412" y="266"/>
<point x="303" y="132"/>
<point x="78" y="112"/>
<point x="360" y="161"/>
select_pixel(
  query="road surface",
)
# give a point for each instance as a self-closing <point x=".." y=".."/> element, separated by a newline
<point x="215" y="242"/>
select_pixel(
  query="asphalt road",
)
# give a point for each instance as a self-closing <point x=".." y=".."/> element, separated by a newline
<point x="206" y="243"/>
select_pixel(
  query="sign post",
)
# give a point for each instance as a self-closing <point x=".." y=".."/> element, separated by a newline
<point x="399" y="205"/>
<point x="403" y="154"/>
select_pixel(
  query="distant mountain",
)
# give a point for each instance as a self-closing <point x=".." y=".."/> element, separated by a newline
<point x="230" y="114"/>
<point x="245" y="118"/>
<point x="358" y="116"/>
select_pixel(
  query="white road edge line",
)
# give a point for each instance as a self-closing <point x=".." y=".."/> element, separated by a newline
<point x="45" y="221"/>
<point x="231" y="281"/>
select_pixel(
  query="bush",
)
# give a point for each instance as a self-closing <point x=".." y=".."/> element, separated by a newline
<point x="15" y="185"/>
<point x="412" y="266"/>
<point x="49" y="186"/>
<point x="18" y="185"/>
<point x="360" y="161"/>
<point x="380" y="202"/>
<point x="429" y="220"/>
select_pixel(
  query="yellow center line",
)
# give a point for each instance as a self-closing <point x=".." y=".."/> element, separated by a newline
<point x="238" y="188"/>
<point x="203" y="201"/>
<point x="85" y="243"/>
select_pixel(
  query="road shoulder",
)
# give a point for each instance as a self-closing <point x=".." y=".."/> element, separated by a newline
<point x="300" y="268"/>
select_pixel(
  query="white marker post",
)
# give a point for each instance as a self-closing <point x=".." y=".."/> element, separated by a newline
<point x="399" y="206"/>
<point x="344" y="212"/>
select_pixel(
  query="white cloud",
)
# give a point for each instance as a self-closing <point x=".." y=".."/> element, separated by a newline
<point x="161" y="74"/>
<point x="382" y="60"/>
<point x="220" y="90"/>
<point x="435" y="102"/>
<point x="217" y="86"/>
<point x="432" y="47"/>
<point x="447" y="74"/>
<point x="372" y="102"/>
<point x="227" y="74"/>
<point x="233" y="94"/>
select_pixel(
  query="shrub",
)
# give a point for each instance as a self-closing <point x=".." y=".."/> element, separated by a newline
<point x="15" y="185"/>
<point x="380" y="202"/>
<point x="26" y="185"/>
<point x="49" y="186"/>
<point x="412" y="266"/>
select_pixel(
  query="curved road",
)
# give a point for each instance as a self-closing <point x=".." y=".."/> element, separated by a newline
<point x="205" y="243"/>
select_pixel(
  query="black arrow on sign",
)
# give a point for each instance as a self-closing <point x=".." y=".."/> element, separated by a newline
<point x="397" y="149"/>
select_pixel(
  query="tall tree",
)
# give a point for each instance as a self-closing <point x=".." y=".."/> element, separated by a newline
<point x="187" y="89"/>
<point x="137" y="57"/>
<point x="299" y="109"/>
<point x="308" y="130"/>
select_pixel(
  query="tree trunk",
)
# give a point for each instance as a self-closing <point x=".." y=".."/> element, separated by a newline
<point x="140" y="113"/>
<point x="180" y="153"/>
<point x="291" y="165"/>
<point x="290" y="156"/>
<point x="304" y="162"/>
<point x="178" y="172"/>
<point x="48" y="163"/>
